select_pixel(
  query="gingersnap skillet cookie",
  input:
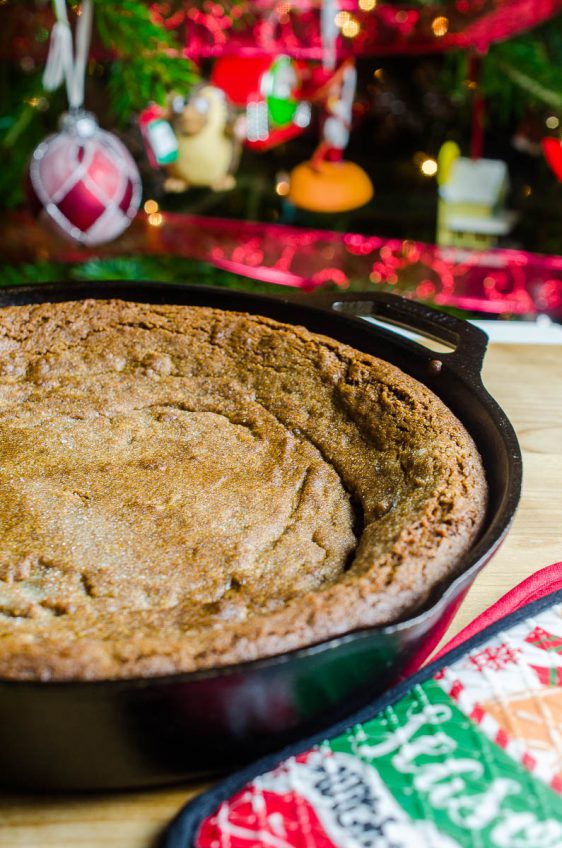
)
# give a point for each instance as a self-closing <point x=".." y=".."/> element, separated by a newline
<point x="184" y="488"/>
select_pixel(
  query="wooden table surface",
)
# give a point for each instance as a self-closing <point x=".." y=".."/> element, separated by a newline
<point x="527" y="382"/>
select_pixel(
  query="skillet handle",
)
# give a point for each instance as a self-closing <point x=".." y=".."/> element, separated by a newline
<point x="468" y="343"/>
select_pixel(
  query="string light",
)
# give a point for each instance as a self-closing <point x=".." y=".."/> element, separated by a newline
<point x="428" y="167"/>
<point x="552" y="122"/>
<point x="341" y="18"/>
<point x="151" y="207"/>
<point x="351" y="28"/>
<point x="440" y="26"/>
<point x="156" y="219"/>
<point x="39" y="103"/>
<point x="283" y="186"/>
<point x="367" y="5"/>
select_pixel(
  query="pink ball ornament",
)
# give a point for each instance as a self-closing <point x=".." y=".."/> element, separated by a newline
<point x="84" y="182"/>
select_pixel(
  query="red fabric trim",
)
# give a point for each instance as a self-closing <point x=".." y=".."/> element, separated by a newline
<point x="536" y="586"/>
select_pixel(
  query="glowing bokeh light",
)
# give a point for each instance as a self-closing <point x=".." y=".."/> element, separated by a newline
<point x="440" y="26"/>
<point x="150" y="207"/>
<point x="428" y="167"/>
<point x="351" y="28"/>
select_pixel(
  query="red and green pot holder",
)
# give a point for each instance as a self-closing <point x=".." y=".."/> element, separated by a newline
<point x="467" y="752"/>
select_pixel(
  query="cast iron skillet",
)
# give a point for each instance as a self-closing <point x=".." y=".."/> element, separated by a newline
<point x="141" y="732"/>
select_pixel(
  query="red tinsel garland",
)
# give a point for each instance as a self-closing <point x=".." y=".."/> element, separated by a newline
<point x="500" y="282"/>
<point x="293" y="26"/>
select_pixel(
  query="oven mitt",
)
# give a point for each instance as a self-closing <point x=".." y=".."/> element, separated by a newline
<point x="539" y="584"/>
<point x="467" y="752"/>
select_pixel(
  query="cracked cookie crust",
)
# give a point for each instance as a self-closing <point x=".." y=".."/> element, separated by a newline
<point x="184" y="488"/>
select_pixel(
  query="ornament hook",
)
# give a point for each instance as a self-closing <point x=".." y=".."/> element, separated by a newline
<point x="62" y="65"/>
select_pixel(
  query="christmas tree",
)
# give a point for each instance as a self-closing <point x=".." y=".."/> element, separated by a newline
<point x="486" y="76"/>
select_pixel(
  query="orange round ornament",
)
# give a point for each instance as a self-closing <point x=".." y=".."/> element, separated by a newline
<point x="329" y="186"/>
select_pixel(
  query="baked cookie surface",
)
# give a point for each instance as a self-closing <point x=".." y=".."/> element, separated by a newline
<point x="184" y="488"/>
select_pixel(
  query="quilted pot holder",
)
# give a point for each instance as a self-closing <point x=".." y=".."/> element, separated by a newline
<point x="467" y="752"/>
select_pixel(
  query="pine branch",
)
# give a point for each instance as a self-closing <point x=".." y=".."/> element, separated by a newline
<point x="25" y="122"/>
<point x="533" y="86"/>
<point x="149" y="61"/>
<point x="530" y="63"/>
<point x="162" y="268"/>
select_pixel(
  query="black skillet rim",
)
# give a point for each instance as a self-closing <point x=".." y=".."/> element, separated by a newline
<point x="442" y="593"/>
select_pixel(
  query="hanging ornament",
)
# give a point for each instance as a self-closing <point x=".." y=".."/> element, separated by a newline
<point x="329" y="32"/>
<point x="448" y="155"/>
<point x="159" y="139"/>
<point x="552" y="149"/>
<point x="268" y="89"/>
<point x="472" y="193"/>
<point x="208" y="142"/>
<point x="328" y="183"/>
<point x="82" y="181"/>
